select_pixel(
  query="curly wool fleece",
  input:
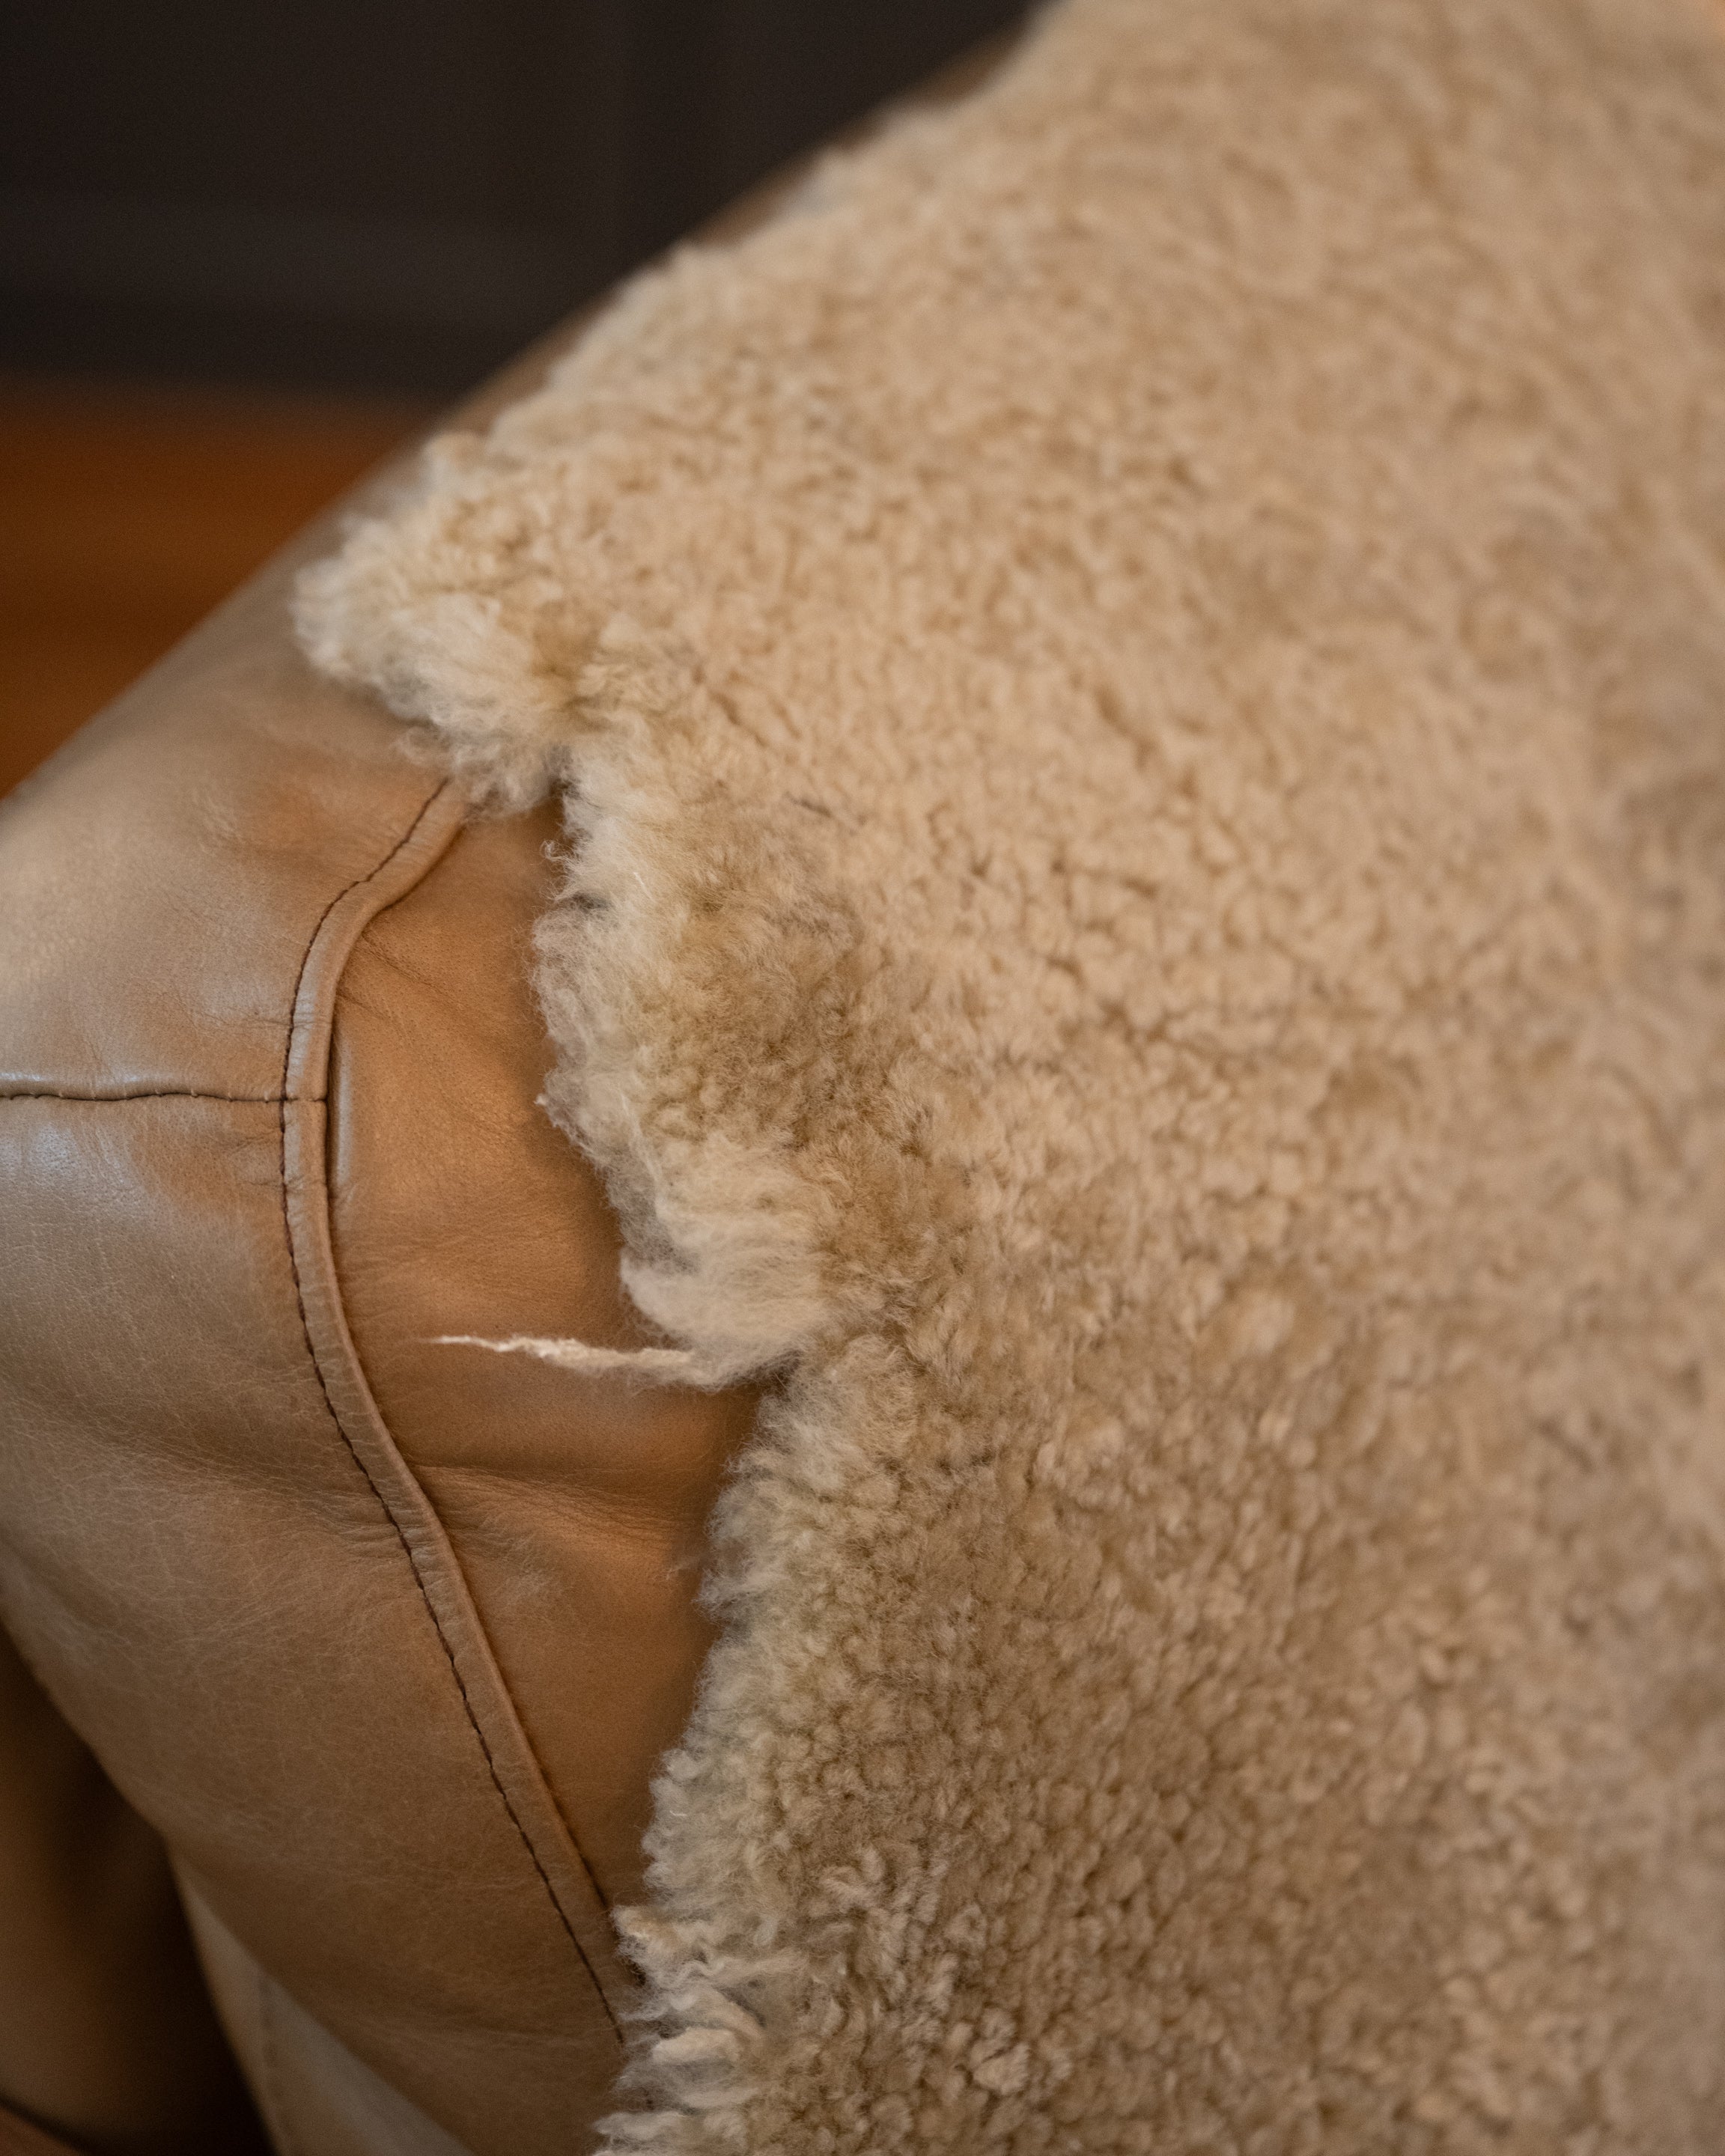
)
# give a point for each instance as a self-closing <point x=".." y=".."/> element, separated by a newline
<point x="1140" y="680"/>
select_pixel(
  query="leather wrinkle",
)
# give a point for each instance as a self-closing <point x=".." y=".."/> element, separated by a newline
<point x="285" y="1100"/>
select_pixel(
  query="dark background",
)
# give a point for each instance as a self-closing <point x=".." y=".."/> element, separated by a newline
<point x="392" y="194"/>
<point x="247" y="249"/>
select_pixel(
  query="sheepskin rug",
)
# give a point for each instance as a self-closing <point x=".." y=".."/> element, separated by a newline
<point x="1140" y="685"/>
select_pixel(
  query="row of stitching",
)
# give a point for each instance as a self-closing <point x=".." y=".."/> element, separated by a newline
<point x="371" y="876"/>
<point x="285" y="1099"/>
<point x="158" y="1093"/>
<point x="286" y="1094"/>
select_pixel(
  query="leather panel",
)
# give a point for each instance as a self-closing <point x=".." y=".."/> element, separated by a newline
<point x="576" y="1503"/>
<point x="194" y="1559"/>
<point x="515" y="1774"/>
<point x="128" y="967"/>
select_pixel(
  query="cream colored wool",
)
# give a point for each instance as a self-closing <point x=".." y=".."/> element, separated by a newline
<point x="1141" y="680"/>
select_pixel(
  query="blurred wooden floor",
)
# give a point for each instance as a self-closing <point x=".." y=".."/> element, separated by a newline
<point x="125" y="514"/>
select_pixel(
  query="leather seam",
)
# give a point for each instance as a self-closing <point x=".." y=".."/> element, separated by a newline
<point x="283" y="1101"/>
<point x="161" y="1093"/>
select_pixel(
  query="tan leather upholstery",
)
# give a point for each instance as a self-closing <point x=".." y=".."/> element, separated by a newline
<point x="381" y="1635"/>
<point x="575" y="1504"/>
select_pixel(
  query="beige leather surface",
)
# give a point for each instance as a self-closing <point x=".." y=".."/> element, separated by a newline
<point x="209" y="1546"/>
<point x="575" y="1504"/>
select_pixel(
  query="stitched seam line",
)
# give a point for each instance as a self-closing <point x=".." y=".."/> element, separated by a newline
<point x="285" y="1101"/>
<point x="161" y="1093"/>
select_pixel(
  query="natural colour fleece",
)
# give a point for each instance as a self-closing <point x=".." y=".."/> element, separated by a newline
<point x="1140" y="685"/>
